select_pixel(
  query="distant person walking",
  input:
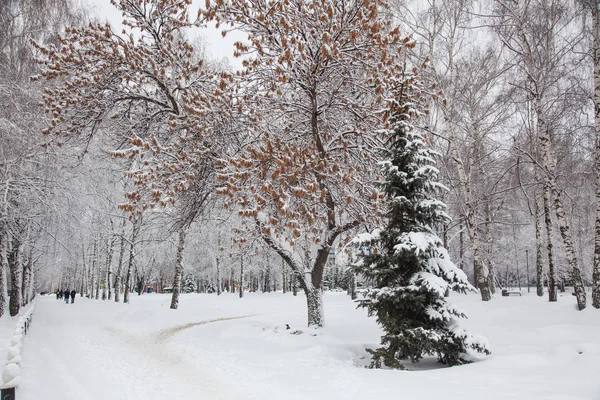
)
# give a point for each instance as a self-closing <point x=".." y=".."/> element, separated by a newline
<point x="73" y="293"/>
<point x="66" y="293"/>
<point x="57" y="294"/>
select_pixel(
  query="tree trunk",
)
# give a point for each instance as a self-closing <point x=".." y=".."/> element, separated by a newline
<point x="267" y="285"/>
<point x="3" y="266"/>
<point x="294" y="284"/>
<point x="24" y="281"/>
<point x="83" y="271"/>
<point x="596" y="33"/>
<point x="461" y="246"/>
<point x="539" y="266"/>
<point x="107" y="289"/>
<point x="120" y="264"/>
<point x="550" y="185"/>
<point x="92" y="274"/>
<point x="241" y="287"/>
<point x="575" y="272"/>
<point x="284" y="282"/>
<point x="489" y="247"/>
<point x="218" y="262"/>
<point x="313" y="288"/>
<point x="137" y="222"/>
<point x="29" y="282"/>
<point x="482" y="281"/>
<point x="140" y="284"/>
<point x="98" y="276"/>
<point x="178" y="270"/>
<point x="31" y="289"/>
<point x="15" y="277"/>
<point x="82" y="280"/>
<point x="552" y="294"/>
<point x="465" y="191"/>
<point x="549" y="166"/>
<point x="219" y="288"/>
<point x="352" y="285"/>
<point x="314" y="301"/>
<point x="128" y="275"/>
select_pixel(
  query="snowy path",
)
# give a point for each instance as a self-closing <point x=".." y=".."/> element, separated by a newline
<point x="222" y="347"/>
<point x="75" y="354"/>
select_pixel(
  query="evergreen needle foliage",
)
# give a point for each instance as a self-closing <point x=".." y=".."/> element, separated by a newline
<point x="188" y="286"/>
<point x="412" y="270"/>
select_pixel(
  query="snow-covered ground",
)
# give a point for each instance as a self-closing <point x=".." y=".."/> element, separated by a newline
<point x="225" y="347"/>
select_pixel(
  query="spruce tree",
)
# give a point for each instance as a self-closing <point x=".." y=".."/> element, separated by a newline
<point x="188" y="286"/>
<point x="411" y="270"/>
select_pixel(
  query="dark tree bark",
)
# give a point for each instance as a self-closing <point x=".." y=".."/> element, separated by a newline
<point x="14" y="303"/>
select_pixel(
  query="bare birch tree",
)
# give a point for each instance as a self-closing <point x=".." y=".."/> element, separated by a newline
<point x="528" y="28"/>
<point x="594" y="7"/>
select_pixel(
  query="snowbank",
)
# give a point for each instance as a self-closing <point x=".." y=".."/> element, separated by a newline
<point x="221" y="347"/>
<point x="11" y="374"/>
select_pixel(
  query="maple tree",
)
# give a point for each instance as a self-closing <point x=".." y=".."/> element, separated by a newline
<point x="148" y="88"/>
<point x="160" y="103"/>
<point x="311" y="90"/>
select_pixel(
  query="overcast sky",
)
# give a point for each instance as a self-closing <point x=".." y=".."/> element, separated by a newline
<point x="217" y="46"/>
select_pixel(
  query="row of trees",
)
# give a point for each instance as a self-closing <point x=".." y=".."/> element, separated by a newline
<point x="517" y="87"/>
<point x="284" y="150"/>
<point x="28" y="166"/>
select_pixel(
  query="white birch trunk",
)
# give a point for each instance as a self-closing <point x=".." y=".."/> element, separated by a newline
<point x="218" y="262"/>
<point x="178" y="270"/>
<point x="565" y="232"/>
<point x="93" y="263"/>
<point x="596" y="270"/>
<point x="481" y="276"/>
<point x="107" y="289"/>
<point x="548" y="162"/>
<point x="3" y="267"/>
<point x="120" y="265"/>
<point x="219" y="288"/>
<point x="552" y="292"/>
<point x="137" y="223"/>
<point x="539" y="266"/>
<point x="98" y="275"/>
<point x="241" y="286"/>
<point x="489" y="247"/>
<point x="550" y="185"/>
